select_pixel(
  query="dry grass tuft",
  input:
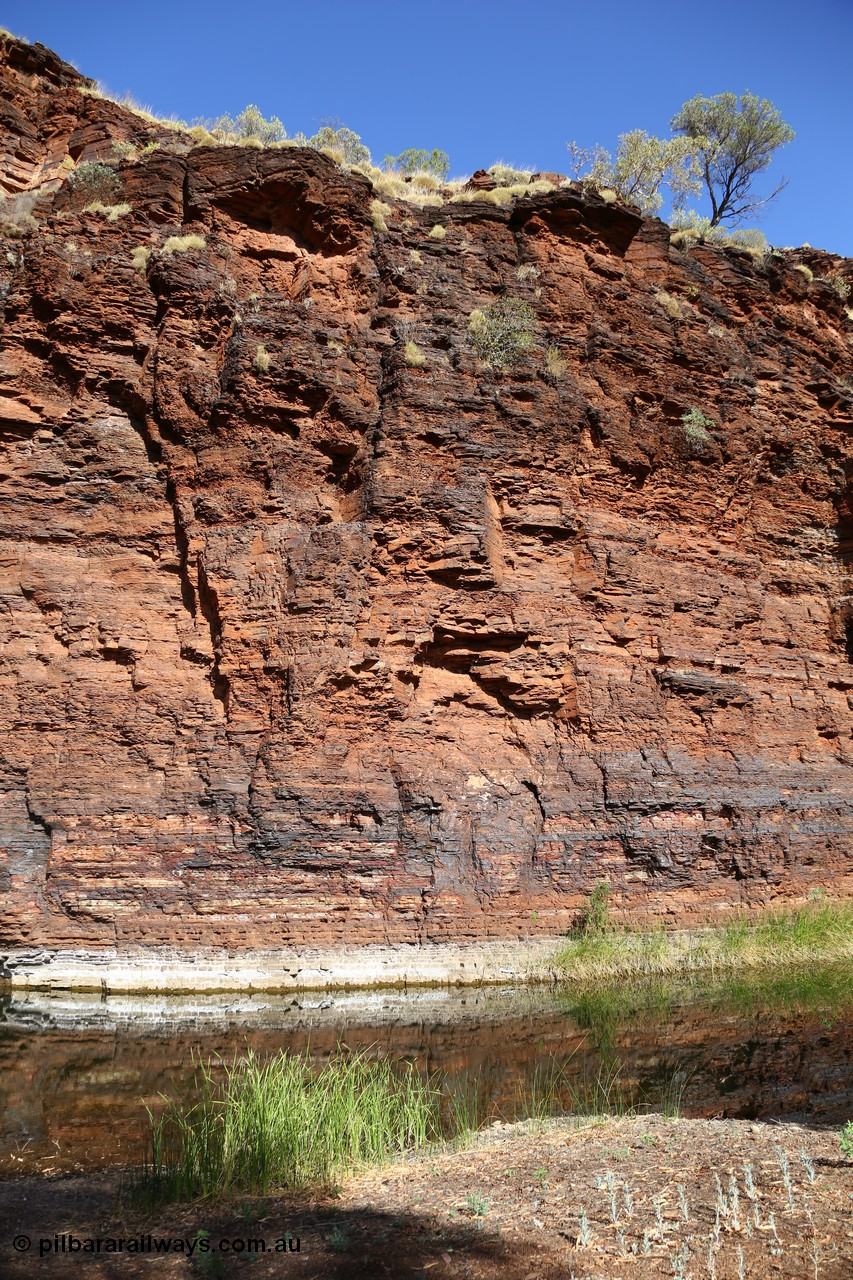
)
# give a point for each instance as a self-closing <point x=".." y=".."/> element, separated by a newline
<point x="139" y="258"/>
<point x="183" y="244"/>
<point x="413" y="355"/>
<point x="379" y="211"/>
<point x="112" y="212"/>
<point x="555" y="362"/>
<point x="670" y="304"/>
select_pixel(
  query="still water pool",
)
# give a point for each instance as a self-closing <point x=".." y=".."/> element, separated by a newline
<point x="77" y="1072"/>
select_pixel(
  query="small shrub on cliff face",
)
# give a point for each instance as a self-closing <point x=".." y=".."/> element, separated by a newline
<point x="502" y="332"/>
<point x="805" y="271"/>
<point x="750" y="240"/>
<point x="182" y="244"/>
<point x="425" y="181"/>
<point x="697" y="431"/>
<point x="94" y="181"/>
<point x="124" y="150"/>
<point x="337" y="136"/>
<point x="506" y="176"/>
<point x="642" y="166"/>
<point x="437" y="232"/>
<point x="501" y="196"/>
<point x="691" y="228"/>
<point x="262" y="359"/>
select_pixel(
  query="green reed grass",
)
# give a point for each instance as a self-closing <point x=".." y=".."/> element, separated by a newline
<point x="819" y="930"/>
<point x="252" y="1125"/>
<point x="467" y="1106"/>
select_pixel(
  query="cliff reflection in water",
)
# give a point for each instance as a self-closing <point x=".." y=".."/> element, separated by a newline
<point x="76" y="1073"/>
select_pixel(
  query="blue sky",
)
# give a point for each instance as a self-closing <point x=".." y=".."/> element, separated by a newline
<point x="487" y="79"/>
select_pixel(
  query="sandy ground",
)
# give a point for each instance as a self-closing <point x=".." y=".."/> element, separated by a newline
<point x="637" y="1197"/>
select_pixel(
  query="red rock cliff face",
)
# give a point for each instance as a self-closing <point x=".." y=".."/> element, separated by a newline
<point x="352" y="651"/>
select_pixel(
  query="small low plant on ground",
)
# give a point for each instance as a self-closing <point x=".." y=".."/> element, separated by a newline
<point x="503" y="332"/>
<point x="845" y="1140"/>
<point x="477" y="1204"/>
<point x="338" y="1240"/>
<point x="437" y="232"/>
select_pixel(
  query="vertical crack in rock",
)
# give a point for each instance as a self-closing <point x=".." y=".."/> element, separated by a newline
<point x="209" y="604"/>
<point x="37" y="819"/>
<point x="534" y="791"/>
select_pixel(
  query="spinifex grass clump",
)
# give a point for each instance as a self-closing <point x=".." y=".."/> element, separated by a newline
<point x="285" y="1122"/>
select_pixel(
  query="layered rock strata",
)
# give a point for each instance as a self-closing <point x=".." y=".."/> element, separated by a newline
<point x="305" y="645"/>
